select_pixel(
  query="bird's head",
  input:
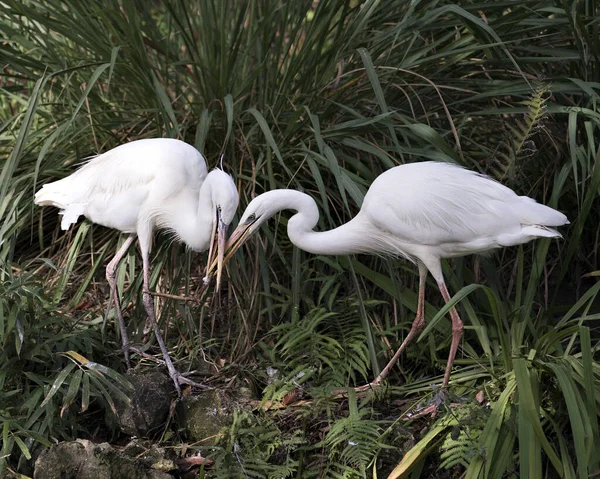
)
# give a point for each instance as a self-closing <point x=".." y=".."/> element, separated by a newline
<point x="224" y="195"/>
<point x="258" y="211"/>
<point x="225" y="199"/>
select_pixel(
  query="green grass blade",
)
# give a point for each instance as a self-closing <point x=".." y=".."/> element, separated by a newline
<point x="532" y="431"/>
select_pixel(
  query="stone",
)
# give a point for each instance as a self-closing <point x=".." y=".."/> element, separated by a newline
<point x="150" y="403"/>
<point x="83" y="459"/>
<point x="204" y="415"/>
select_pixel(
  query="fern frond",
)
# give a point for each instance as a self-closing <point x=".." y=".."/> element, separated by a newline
<point x="520" y="145"/>
<point x="533" y="118"/>
<point x="356" y="437"/>
<point x="461" y="444"/>
<point x="460" y="447"/>
<point x="329" y="344"/>
<point x="249" y="445"/>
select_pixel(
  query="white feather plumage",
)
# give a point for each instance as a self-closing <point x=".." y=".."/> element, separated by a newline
<point x="142" y="185"/>
<point x="422" y="211"/>
<point x="128" y="184"/>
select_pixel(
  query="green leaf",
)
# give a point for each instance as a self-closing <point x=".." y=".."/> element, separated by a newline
<point x="72" y="391"/>
<point x="24" y="449"/>
<point x="91" y="83"/>
<point x="587" y="359"/>
<point x="423" y="448"/>
<point x="85" y="393"/>
<point x="58" y="382"/>
<point x="262" y="123"/>
<point x="527" y="403"/>
<point x="463" y="293"/>
<point x="580" y="435"/>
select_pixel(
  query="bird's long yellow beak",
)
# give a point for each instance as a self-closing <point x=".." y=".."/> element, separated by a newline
<point x="237" y="239"/>
<point x="221" y="232"/>
<point x="217" y="237"/>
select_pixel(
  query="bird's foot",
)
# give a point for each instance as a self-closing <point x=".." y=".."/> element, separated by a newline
<point x="179" y="379"/>
<point x="439" y="401"/>
<point x="430" y="410"/>
<point x="139" y="352"/>
<point x="182" y="379"/>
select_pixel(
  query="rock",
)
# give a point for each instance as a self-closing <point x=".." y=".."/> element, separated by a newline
<point x="204" y="415"/>
<point x="82" y="459"/>
<point x="150" y="404"/>
<point x="243" y="394"/>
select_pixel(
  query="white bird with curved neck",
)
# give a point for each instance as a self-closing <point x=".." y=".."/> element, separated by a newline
<point x="421" y="211"/>
<point x="143" y="185"/>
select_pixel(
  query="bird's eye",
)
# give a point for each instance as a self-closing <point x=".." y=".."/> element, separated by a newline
<point x="251" y="218"/>
<point x="219" y="208"/>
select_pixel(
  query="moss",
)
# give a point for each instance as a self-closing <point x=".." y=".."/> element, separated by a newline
<point x="204" y="416"/>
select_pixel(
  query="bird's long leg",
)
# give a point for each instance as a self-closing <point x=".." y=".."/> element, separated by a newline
<point x="416" y="328"/>
<point x="457" y="331"/>
<point x="148" y="299"/>
<point x="111" y="269"/>
<point x="149" y="305"/>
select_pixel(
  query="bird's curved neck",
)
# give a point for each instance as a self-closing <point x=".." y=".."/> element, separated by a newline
<point x="192" y="217"/>
<point x="344" y="239"/>
<point x="206" y="207"/>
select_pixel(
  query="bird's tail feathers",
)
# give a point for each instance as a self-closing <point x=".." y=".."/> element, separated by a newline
<point x="50" y="195"/>
<point x="540" y="231"/>
<point x="533" y="213"/>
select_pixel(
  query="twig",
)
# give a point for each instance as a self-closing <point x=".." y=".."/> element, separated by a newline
<point x="174" y="296"/>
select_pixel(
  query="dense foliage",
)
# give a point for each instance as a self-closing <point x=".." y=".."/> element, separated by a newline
<point x="320" y="96"/>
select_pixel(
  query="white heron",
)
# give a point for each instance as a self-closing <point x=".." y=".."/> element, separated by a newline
<point x="421" y="211"/>
<point x="142" y="185"/>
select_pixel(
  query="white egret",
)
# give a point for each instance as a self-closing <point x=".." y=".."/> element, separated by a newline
<point x="142" y="185"/>
<point x="420" y="211"/>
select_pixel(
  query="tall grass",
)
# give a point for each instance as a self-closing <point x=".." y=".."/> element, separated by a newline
<point x="323" y="96"/>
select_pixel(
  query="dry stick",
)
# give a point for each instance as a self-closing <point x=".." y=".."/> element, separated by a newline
<point x="174" y="296"/>
<point x="87" y="105"/>
<point x="203" y="291"/>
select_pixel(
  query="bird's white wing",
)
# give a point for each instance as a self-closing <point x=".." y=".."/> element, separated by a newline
<point x="433" y="203"/>
<point x="112" y="188"/>
<point x="167" y="164"/>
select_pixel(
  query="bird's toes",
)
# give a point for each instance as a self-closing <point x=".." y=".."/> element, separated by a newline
<point x="441" y="397"/>
<point x="430" y="410"/>
<point x="184" y="380"/>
